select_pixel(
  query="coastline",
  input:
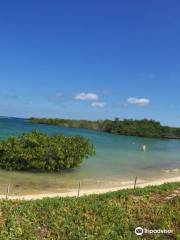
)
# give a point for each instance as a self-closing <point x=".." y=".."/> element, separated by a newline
<point x="85" y="192"/>
<point x="71" y="123"/>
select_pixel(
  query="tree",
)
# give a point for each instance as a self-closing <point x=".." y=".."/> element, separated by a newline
<point x="39" y="151"/>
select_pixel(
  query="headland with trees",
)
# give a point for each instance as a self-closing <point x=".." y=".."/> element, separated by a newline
<point x="129" y="127"/>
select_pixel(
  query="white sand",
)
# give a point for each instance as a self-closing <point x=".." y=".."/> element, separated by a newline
<point x="83" y="192"/>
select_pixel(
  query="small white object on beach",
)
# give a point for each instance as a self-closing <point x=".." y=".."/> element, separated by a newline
<point x="170" y="170"/>
<point x="166" y="170"/>
<point x="175" y="170"/>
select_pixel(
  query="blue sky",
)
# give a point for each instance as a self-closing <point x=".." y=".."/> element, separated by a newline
<point x="90" y="59"/>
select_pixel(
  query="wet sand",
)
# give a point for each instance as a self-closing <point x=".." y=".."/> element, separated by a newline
<point x="74" y="193"/>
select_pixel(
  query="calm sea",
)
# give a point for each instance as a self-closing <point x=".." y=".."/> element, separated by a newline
<point x="118" y="159"/>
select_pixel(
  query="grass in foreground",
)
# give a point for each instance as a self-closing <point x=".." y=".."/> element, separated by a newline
<point x="108" y="216"/>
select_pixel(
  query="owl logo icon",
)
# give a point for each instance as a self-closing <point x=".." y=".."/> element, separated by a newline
<point x="139" y="231"/>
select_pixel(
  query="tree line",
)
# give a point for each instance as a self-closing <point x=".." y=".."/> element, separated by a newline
<point x="130" y="127"/>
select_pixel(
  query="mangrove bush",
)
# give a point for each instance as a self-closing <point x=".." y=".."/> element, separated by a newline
<point x="39" y="151"/>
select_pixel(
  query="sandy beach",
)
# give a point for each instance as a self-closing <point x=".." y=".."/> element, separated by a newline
<point x="83" y="192"/>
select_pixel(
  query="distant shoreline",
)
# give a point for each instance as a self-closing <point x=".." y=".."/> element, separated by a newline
<point x="127" y="127"/>
<point x="85" y="192"/>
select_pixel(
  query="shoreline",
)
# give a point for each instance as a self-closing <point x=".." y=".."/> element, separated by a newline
<point x="41" y="122"/>
<point x="85" y="192"/>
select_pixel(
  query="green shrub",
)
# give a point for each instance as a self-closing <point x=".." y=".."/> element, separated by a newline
<point x="39" y="151"/>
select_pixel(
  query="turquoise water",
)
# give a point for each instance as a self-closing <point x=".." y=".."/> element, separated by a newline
<point x="118" y="158"/>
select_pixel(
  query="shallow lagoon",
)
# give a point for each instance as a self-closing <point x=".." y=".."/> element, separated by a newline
<point x="118" y="160"/>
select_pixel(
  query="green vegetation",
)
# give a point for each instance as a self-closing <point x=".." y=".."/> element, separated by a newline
<point x="141" y="128"/>
<point x="111" y="216"/>
<point x="39" y="151"/>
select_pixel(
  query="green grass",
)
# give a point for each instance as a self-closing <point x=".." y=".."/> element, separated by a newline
<point x="108" y="216"/>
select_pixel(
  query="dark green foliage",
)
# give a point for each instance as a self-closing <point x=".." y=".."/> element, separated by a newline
<point x="39" y="151"/>
<point x="141" y="128"/>
<point x="111" y="216"/>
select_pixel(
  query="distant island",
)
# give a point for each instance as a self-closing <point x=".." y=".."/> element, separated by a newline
<point x="141" y="128"/>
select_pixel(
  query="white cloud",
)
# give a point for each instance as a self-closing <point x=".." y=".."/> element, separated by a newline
<point x="98" y="104"/>
<point x="139" y="101"/>
<point x="86" y="96"/>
